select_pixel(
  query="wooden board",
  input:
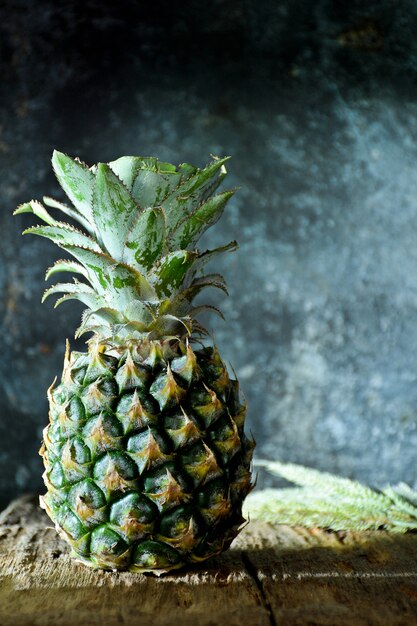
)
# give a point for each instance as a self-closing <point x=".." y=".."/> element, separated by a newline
<point x="272" y="576"/>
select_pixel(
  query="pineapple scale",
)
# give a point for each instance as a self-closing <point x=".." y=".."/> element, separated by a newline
<point x="146" y="460"/>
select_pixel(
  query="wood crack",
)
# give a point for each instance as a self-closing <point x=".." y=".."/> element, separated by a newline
<point x="253" y="573"/>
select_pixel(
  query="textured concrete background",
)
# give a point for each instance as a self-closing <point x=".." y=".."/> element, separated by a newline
<point x="316" y="102"/>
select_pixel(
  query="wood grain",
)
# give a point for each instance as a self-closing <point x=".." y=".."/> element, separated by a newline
<point x="272" y="576"/>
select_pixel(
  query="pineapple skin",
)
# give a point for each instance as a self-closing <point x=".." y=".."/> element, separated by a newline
<point x="146" y="460"/>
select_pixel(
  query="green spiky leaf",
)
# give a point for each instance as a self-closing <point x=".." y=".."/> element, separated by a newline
<point x="192" y="192"/>
<point x="190" y="230"/>
<point x="102" y="316"/>
<point x="77" y="181"/>
<point x="181" y="302"/>
<point x="64" y="235"/>
<point x="70" y="212"/>
<point x="64" y="265"/>
<point x="37" y="209"/>
<point x="97" y="265"/>
<point x="120" y="282"/>
<point x="169" y="325"/>
<point x="139" y="311"/>
<point x="150" y="188"/>
<point x="209" y="255"/>
<point x="114" y="210"/>
<point x="171" y="271"/>
<point x="145" y="241"/>
<point x="77" y="291"/>
<point x="126" y="168"/>
<point x="88" y="300"/>
<point x="204" y="308"/>
<point x="105" y="313"/>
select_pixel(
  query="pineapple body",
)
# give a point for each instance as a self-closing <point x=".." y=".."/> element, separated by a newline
<point x="147" y="463"/>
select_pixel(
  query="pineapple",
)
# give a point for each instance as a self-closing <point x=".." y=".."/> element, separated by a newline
<point x="146" y="460"/>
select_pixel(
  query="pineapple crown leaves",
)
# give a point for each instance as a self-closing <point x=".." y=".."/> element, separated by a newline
<point x="140" y="220"/>
<point x="327" y="501"/>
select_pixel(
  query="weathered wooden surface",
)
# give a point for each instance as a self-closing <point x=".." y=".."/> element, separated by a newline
<point x="272" y="576"/>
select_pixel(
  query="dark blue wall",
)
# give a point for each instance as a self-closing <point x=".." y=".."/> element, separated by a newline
<point x="316" y="103"/>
